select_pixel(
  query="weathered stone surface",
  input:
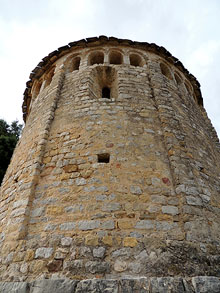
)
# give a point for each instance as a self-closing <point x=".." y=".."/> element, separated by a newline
<point x="200" y="284"/>
<point x="97" y="267"/>
<point x="99" y="252"/>
<point x="16" y="287"/>
<point x="66" y="241"/>
<point x="141" y="285"/>
<point x="99" y="286"/>
<point x="43" y="252"/>
<point x="205" y="284"/>
<point x="135" y="190"/>
<point x="88" y="225"/>
<point x="68" y="226"/>
<point x="167" y="284"/>
<point x="53" y="286"/>
<point x="120" y="266"/>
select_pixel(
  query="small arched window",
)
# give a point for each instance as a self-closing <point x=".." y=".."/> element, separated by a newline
<point x="165" y="71"/>
<point x="135" y="60"/>
<point x="106" y="92"/>
<point x="49" y="77"/>
<point x="75" y="63"/>
<point x="115" y="58"/>
<point x="96" y="58"/>
<point x="177" y="78"/>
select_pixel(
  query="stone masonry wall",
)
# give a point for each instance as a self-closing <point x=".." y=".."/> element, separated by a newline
<point x="151" y="208"/>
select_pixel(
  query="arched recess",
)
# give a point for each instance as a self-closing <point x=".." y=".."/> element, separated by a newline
<point x="72" y="63"/>
<point x="136" y="60"/>
<point x="188" y="87"/>
<point x="96" y="57"/>
<point x="115" y="57"/>
<point x="104" y="84"/>
<point x="36" y="89"/>
<point x="166" y="71"/>
<point x="75" y="63"/>
<point x="49" y="77"/>
<point x="177" y="78"/>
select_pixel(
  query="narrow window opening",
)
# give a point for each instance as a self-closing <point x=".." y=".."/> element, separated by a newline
<point x="76" y="63"/>
<point x="106" y="93"/>
<point x="103" y="158"/>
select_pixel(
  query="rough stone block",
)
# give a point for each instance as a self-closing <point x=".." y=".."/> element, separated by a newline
<point x="205" y="284"/>
<point x="97" y="267"/>
<point x="172" y="210"/>
<point x="134" y="285"/>
<point x="136" y="190"/>
<point x="130" y="241"/>
<point x="145" y="224"/>
<point x="99" y="252"/>
<point x="14" y="287"/>
<point x="43" y="252"/>
<point x="167" y="284"/>
<point x="88" y="225"/>
<point x="68" y="226"/>
<point x="66" y="241"/>
<point x="53" y="286"/>
<point x="98" y="286"/>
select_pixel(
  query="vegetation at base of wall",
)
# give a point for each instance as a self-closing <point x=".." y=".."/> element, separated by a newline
<point x="9" y="135"/>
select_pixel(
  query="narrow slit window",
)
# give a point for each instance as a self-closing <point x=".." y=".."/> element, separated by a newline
<point x="106" y="93"/>
<point x="103" y="158"/>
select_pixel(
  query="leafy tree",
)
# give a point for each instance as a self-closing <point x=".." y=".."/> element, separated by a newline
<point x="9" y="135"/>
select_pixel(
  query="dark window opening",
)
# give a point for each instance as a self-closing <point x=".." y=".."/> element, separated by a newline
<point x="103" y="158"/>
<point x="115" y="58"/>
<point x="106" y="93"/>
<point x="135" y="60"/>
<point x="96" y="58"/>
<point x="76" y="63"/>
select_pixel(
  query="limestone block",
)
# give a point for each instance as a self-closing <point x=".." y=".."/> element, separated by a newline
<point x="55" y="286"/>
<point x="14" y="287"/>
<point x="43" y="252"/>
<point x="205" y="284"/>
<point x="99" y="252"/>
<point x="90" y="286"/>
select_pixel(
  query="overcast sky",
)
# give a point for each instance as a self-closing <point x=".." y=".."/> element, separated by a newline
<point x="30" y="29"/>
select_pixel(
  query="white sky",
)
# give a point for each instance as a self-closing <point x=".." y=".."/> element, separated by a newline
<point x="31" y="29"/>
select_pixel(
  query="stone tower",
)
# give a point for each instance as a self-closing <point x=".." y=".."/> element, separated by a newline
<point x="114" y="185"/>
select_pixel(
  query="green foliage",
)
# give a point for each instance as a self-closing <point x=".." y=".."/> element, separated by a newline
<point x="9" y="135"/>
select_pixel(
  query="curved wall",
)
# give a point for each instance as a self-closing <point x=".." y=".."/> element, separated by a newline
<point x="112" y="184"/>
